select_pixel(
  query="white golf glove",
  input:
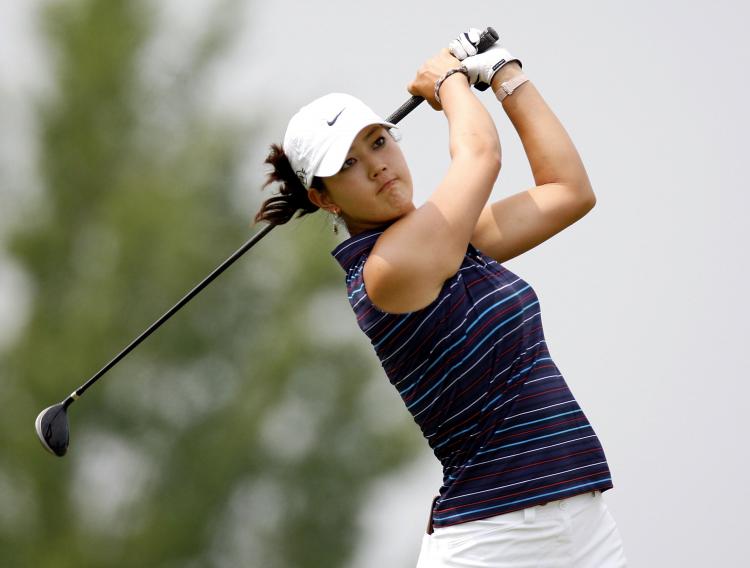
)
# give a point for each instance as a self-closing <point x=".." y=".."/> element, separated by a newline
<point x="465" y="45"/>
<point x="481" y="66"/>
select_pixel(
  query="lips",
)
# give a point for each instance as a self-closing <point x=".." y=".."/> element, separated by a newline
<point x="387" y="184"/>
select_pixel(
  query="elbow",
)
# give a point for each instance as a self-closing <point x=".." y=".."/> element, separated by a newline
<point x="586" y="200"/>
<point x="478" y="147"/>
<point x="592" y="201"/>
<point x="583" y="193"/>
<point x="580" y="198"/>
<point x="495" y="158"/>
<point x="491" y="160"/>
<point x="487" y="157"/>
<point x="589" y="197"/>
<point x="485" y="161"/>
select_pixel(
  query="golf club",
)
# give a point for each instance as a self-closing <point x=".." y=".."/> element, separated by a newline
<point x="51" y="424"/>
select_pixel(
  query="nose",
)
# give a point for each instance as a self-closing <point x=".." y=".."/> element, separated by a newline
<point x="377" y="169"/>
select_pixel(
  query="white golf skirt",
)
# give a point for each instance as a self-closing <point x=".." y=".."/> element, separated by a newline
<point x="576" y="532"/>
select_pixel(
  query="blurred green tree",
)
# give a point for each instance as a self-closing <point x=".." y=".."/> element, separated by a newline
<point x="243" y="433"/>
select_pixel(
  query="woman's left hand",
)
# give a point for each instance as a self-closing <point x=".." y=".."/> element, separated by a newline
<point x="431" y="70"/>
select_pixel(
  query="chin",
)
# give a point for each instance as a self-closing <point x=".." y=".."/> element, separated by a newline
<point x="400" y="200"/>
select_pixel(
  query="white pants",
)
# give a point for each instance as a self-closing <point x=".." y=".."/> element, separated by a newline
<point x="577" y="532"/>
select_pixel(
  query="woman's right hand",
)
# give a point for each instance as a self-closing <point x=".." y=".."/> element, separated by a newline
<point x="431" y="70"/>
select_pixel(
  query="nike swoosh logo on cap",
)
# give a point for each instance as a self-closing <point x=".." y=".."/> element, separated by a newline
<point x="335" y="118"/>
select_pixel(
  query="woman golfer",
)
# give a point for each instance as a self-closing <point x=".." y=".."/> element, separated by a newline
<point x="459" y="335"/>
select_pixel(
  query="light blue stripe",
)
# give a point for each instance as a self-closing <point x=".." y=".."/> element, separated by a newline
<point x="493" y="306"/>
<point x="471" y="462"/>
<point x="489" y="335"/>
<point x="533" y="439"/>
<point x="454" y="435"/>
<point x="466" y="513"/>
<point x="493" y="401"/>
<point x="536" y="421"/>
<point x="443" y="354"/>
<point x="522" y="371"/>
<point x="395" y="327"/>
<point x="355" y="291"/>
<point x="510" y="380"/>
<point x="435" y="362"/>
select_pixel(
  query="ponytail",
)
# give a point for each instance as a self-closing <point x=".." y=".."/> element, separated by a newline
<point x="292" y="196"/>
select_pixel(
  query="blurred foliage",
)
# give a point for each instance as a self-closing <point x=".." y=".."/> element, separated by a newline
<point x="243" y="432"/>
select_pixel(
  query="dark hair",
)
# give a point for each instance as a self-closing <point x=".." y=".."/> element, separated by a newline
<point x="292" y="196"/>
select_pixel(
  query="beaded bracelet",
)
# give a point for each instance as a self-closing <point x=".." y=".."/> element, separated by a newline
<point x="439" y="82"/>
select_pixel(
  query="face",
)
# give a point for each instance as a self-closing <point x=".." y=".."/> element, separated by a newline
<point x="374" y="184"/>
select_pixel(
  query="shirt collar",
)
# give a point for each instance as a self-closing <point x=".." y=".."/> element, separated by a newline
<point x="349" y="251"/>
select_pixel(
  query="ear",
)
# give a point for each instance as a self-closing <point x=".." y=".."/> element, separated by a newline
<point x="322" y="200"/>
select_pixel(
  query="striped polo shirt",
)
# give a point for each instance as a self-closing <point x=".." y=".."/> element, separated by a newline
<point x="474" y="371"/>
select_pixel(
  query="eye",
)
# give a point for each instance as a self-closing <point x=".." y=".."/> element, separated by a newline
<point x="348" y="163"/>
<point x="379" y="142"/>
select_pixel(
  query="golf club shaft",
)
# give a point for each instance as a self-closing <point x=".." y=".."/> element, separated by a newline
<point x="402" y="111"/>
<point x="189" y="296"/>
<point x="487" y="38"/>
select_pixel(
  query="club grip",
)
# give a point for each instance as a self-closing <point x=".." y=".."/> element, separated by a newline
<point x="487" y="38"/>
<point x="404" y="109"/>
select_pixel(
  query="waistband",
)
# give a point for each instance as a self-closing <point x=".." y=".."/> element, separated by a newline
<point x="569" y="504"/>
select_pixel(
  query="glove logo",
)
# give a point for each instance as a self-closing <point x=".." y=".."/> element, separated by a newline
<point x="335" y="118"/>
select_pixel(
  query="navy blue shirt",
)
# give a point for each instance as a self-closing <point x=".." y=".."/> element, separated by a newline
<point x="474" y="371"/>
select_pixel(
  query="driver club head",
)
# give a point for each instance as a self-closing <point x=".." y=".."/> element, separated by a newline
<point x="52" y="428"/>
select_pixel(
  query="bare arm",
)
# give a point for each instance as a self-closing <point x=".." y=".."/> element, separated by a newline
<point x="415" y="255"/>
<point x="563" y="193"/>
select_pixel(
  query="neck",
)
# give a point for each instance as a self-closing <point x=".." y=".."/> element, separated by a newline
<point x="357" y="226"/>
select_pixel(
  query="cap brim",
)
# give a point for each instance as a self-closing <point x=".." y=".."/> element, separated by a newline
<point x="336" y="154"/>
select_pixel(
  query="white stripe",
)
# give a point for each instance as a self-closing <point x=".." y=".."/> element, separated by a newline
<point x="539" y="409"/>
<point x="485" y="394"/>
<point x="542" y="378"/>
<point x="522" y="482"/>
<point x="355" y="272"/>
<point x="423" y="321"/>
<point x="410" y="373"/>
<point x="357" y="241"/>
<point x="358" y="301"/>
<point x="459" y="412"/>
<point x="466" y="466"/>
<point x="466" y="316"/>
<point x="418" y="327"/>
<point x="492" y="347"/>
<point x="504" y="403"/>
<point x="376" y="323"/>
<point x="458" y="450"/>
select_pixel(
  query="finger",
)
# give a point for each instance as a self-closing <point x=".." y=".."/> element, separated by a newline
<point x="474" y="35"/>
<point x="457" y="50"/>
<point x="467" y="44"/>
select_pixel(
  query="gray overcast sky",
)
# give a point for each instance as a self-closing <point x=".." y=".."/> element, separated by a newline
<point x="644" y="300"/>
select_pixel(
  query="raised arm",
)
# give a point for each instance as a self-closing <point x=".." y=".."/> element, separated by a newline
<point x="563" y="193"/>
<point x="415" y="255"/>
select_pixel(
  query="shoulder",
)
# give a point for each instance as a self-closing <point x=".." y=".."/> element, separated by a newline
<point x="351" y="253"/>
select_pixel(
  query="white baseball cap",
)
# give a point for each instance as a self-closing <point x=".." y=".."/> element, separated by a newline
<point x="319" y="136"/>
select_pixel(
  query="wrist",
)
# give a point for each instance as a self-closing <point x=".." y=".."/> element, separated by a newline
<point x="507" y="72"/>
<point x="451" y="82"/>
<point x="456" y="79"/>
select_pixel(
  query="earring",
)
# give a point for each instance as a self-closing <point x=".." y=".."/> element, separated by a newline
<point x="336" y="218"/>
